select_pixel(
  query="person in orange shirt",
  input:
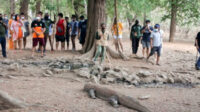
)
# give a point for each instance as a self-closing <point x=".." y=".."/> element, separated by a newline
<point x="10" y="42"/>
<point x="117" y="34"/>
<point x="16" y="28"/>
<point x="38" y="28"/>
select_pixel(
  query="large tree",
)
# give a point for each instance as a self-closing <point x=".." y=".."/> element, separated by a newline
<point x="38" y="5"/>
<point x="24" y="7"/>
<point x="96" y="16"/>
<point x="12" y="6"/>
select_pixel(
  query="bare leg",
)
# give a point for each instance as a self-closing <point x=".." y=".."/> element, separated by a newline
<point x="20" y="44"/>
<point x="42" y="51"/>
<point x="33" y="51"/>
<point x="143" y="52"/>
<point x="147" y="52"/>
<point x="51" y="43"/>
<point x="57" y="44"/>
<point x="15" y="44"/>
<point x="120" y="43"/>
<point x="62" y="46"/>
<point x="158" y="59"/>
<point x="24" y="42"/>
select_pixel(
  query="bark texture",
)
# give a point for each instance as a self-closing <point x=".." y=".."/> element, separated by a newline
<point x="96" y="16"/>
<point x="12" y="6"/>
<point x="173" y="20"/>
<point x="24" y="4"/>
<point x="38" y="5"/>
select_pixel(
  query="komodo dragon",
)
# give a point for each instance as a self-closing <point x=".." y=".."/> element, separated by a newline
<point x="114" y="98"/>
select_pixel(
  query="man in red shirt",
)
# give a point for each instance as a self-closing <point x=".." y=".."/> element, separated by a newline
<point x="60" y="32"/>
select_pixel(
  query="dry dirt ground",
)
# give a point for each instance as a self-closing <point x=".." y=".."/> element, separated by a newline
<point x="64" y="92"/>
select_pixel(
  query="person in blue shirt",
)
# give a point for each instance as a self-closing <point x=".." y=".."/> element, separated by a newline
<point x="74" y="31"/>
<point x="82" y="30"/>
<point x="146" y="31"/>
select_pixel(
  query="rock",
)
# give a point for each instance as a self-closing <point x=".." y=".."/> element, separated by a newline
<point x="49" y="72"/>
<point x="116" y="69"/>
<point x="45" y="75"/>
<point x="10" y="77"/>
<point x="83" y="72"/>
<point x="110" y="79"/>
<point x="170" y="80"/>
<point x="144" y="97"/>
<point x="144" y="74"/>
<point x="104" y="81"/>
<point x="95" y="79"/>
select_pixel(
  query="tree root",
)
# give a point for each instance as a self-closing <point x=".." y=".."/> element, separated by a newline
<point x="109" y="54"/>
<point x="10" y="101"/>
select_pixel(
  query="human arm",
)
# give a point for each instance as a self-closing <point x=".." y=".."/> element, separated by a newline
<point x="196" y="44"/>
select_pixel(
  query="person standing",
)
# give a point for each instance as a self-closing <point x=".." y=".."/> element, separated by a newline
<point x="5" y="20"/>
<point x="48" y="24"/>
<point x="155" y="43"/>
<point x="10" y="34"/>
<point x="197" y="44"/>
<point x="117" y="30"/>
<point x="135" y="36"/>
<point x="82" y="29"/>
<point x="38" y="28"/>
<point x="16" y="28"/>
<point x="3" y="28"/>
<point x="25" y="28"/>
<point x="74" y="31"/>
<point x="101" y="42"/>
<point x="67" y="35"/>
<point x="146" y="31"/>
<point x="60" y="32"/>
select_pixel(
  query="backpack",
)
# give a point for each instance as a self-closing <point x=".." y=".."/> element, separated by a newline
<point x="137" y="29"/>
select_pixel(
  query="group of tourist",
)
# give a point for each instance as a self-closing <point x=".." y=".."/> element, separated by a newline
<point x="17" y="29"/>
<point x="150" y="37"/>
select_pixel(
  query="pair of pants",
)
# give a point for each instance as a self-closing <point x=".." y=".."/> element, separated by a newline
<point x="3" y="46"/>
<point x="135" y="44"/>
<point x="101" y="50"/>
<point x="198" y="62"/>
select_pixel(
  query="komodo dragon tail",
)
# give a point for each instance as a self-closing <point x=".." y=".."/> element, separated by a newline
<point x="132" y="103"/>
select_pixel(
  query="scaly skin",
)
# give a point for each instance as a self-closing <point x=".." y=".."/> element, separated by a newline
<point x="107" y="94"/>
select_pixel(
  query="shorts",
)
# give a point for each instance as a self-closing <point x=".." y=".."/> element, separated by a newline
<point x="38" y="40"/>
<point x="60" y="38"/>
<point x="146" y="44"/>
<point x="115" y="37"/>
<point x="73" y="36"/>
<point x="156" y="49"/>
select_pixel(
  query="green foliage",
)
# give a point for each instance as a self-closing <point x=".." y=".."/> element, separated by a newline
<point x="188" y="11"/>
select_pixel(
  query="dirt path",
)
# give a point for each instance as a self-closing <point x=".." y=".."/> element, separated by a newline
<point x="63" y="93"/>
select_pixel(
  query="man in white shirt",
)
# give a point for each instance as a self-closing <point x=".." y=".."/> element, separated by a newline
<point x="156" y="42"/>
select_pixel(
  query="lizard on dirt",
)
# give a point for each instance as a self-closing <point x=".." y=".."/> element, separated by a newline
<point x="114" y="98"/>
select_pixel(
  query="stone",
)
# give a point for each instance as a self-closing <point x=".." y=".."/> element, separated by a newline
<point x="49" y="72"/>
<point x="83" y="72"/>
<point x="95" y="79"/>
<point x="110" y="79"/>
<point x="170" y="80"/>
<point x="143" y="74"/>
<point x="144" y="97"/>
<point x="45" y="75"/>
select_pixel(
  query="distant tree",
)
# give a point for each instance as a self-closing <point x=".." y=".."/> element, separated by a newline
<point x="38" y="6"/>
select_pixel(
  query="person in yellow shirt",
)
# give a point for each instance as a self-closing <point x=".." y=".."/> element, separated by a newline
<point x="117" y="33"/>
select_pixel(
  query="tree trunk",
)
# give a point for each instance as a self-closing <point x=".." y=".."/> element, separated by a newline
<point x="173" y="20"/>
<point x="12" y="6"/>
<point x="24" y="7"/>
<point x="96" y="16"/>
<point x="130" y="22"/>
<point x="58" y="8"/>
<point x="145" y="18"/>
<point x="38" y="5"/>
<point x="85" y="4"/>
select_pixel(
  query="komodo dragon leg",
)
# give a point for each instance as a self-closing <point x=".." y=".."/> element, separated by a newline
<point x="113" y="100"/>
<point x="91" y="93"/>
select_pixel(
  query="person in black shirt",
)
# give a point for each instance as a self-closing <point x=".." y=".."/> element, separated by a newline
<point x="67" y="31"/>
<point x="82" y="28"/>
<point x="197" y="44"/>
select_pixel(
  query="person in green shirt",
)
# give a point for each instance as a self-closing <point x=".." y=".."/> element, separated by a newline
<point x="3" y="28"/>
<point x="135" y="36"/>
